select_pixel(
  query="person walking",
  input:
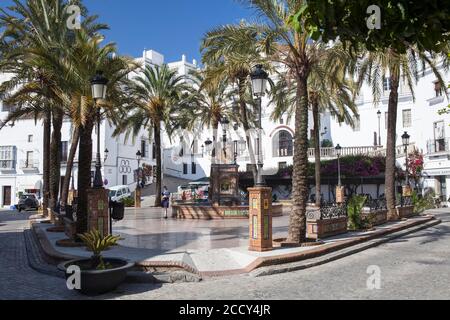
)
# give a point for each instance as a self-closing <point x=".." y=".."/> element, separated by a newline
<point x="165" y="200"/>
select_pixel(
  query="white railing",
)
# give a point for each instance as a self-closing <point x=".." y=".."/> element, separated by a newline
<point x="330" y="153"/>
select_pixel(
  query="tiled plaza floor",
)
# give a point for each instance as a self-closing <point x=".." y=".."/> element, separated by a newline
<point x="145" y="228"/>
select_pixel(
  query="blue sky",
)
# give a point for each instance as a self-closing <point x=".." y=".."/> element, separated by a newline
<point x="171" y="27"/>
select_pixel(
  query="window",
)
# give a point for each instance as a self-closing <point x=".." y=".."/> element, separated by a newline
<point x="153" y="151"/>
<point x="282" y="165"/>
<point x="386" y="84"/>
<point x="283" y="144"/>
<point x="63" y="151"/>
<point x="249" y="167"/>
<point x="195" y="146"/>
<point x="438" y="89"/>
<point x="124" y="180"/>
<point x="29" y="161"/>
<point x="281" y="121"/>
<point x="185" y="168"/>
<point x="194" y="168"/>
<point x="7" y="157"/>
<point x="357" y="124"/>
<point x="30" y="138"/>
<point x="144" y="149"/>
<point x="406" y="118"/>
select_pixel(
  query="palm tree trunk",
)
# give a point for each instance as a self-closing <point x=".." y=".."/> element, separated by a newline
<point x="84" y="174"/>
<point x="46" y="162"/>
<point x="158" y="165"/>
<point x="391" y="143"/>
<point x="316" y="116"/>
<point x="297" y="220"/>
<point x="55" y="161"/>
<point x="71" y="157"/>
<point x="245" y="124"/>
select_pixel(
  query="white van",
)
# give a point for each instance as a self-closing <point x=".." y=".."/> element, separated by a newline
<point x="118" y="193"/>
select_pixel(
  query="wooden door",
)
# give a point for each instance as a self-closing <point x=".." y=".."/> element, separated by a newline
<point x="7" y="195"/>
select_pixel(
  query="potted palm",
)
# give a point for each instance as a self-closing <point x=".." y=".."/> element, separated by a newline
<point x="98" y="274"/>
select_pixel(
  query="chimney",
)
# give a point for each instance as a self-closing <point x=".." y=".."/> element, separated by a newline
<point x="183" y="58"/>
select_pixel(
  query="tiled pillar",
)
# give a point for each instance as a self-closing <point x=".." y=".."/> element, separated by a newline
<point x="98" y="210"/>
<point x="260" y="219"/>
<point x="137" y="197"/>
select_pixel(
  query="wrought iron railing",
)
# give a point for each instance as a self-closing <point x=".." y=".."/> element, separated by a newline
<point x="376" y="204"/>
<point x="437" y="146"/>
<point x="328" y="211"/>
<point x="7" y="164"/>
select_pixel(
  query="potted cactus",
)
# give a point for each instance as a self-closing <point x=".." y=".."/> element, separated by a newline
<point x="98" y="274"/>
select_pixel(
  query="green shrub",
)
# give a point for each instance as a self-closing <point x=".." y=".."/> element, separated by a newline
<point x="354" y="207"/>
<point x="422" y="203"/>
<point x="128" y="202"/>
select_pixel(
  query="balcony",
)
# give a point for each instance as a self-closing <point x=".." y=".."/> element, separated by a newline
<point x="29" y="165"/>
<point x="330" y="153"/>
<point x="7" y="166"/>
<point x="438" y="147"/>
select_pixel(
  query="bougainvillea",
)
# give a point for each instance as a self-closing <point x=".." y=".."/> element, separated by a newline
<point x="415" y="165"/>
<point x="351" y="166"/>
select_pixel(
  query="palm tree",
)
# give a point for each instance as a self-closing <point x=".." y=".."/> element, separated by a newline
<point x="208" y="104"/>
<point x="329" y="89"/>
<point x="36" y="39"/>
<point x="377" y="66"/>
<point x="86" y="56"/>
<point x="157" y="93"/>
<point x="286" y="45"/>
<point x="231" y="52"/>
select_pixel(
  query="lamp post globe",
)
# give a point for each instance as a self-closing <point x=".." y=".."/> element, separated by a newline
<point x="98" y="87"/>
<point x="259" y="80"/>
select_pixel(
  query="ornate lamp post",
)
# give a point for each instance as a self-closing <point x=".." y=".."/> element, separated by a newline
<point x="225" y="125"/>
<point x="379" y="127"/>
<point x="259" y="83"/>
<point x="405" y="141"/>
<point x="98" y="86"/>
<point x="340" y="193"/>
<point x="338" y="153"/>
<point x="260" y="196"/>
<point x="137" y="194"/>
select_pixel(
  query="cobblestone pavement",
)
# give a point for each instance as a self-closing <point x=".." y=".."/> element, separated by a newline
<point x="18" y="280"/>
<point x="412" y="267"/>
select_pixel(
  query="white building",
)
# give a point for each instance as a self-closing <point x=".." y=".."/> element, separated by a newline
<point x="21" y="149"/>
<point x="186" y="156"/>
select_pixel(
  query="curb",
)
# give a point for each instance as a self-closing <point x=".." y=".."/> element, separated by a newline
<point x="319" y="252"/>
<point x="262" y="265"/>
<point x="301" y="265"/>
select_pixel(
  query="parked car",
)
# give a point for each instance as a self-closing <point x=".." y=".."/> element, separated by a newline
<point x="119" y="193"/>
<point x="28" y="202"/>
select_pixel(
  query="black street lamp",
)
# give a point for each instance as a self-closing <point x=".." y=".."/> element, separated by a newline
<point x="338" y="153"/>
<point x="379" y="127"/>
<point x="98" y="86"/>
<point x="225" y="123"/>
<point x="259" y="84"/>
<point x="405" y="140"/>
<point x="106" y="152"/>
<point x="138" y="158"/>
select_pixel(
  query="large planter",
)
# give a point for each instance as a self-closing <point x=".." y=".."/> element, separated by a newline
<point x="319" y="229"/>
<point x="405" y="212"/>
<point x="377" y="218"/>
<point x="95" y="282"/>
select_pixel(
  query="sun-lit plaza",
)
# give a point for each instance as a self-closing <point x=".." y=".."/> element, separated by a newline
<point x="266" y="142"/>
